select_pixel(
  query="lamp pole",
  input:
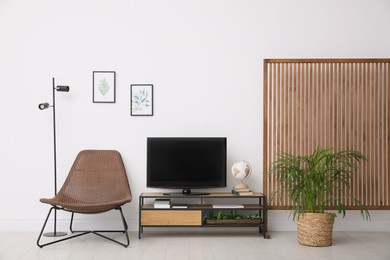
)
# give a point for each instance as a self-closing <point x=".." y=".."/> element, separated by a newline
<point x="44" y="106"/>
<point x="55" y="233"/>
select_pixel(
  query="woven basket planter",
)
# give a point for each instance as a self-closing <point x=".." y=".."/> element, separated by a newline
<point x="315" y="229"/>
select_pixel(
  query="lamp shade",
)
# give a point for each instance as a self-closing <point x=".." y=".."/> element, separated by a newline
<point x="43" y="106"/>
<point x="62" y="88"/>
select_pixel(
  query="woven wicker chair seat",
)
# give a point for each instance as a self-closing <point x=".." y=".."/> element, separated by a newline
<point x="97" y="182"/>
<point x="84" y="207"/>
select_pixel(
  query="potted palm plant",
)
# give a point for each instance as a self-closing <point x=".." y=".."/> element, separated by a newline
<point x="314" y="183"/>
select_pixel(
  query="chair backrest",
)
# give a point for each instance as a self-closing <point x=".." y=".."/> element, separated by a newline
<point x="97" y="176"/>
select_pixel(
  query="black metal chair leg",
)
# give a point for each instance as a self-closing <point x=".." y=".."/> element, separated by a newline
<point x="125" y="227"/>
<point x="71" y="223"/>
<point x="56" y="241"/>
<point x="98" y="232"/>
<point x="43" y="228"/>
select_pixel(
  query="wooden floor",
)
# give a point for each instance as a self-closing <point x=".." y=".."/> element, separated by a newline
<point x="202" y="246"/>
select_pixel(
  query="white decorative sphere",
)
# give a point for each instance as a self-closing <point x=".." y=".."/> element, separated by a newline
<point x="241" y="170"/>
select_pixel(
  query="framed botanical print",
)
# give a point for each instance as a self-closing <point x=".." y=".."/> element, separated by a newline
<point x="103" y="87"/>
<point x="141" y="99"/>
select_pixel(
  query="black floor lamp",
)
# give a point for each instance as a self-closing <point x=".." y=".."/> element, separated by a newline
<point x="43" y="106"/>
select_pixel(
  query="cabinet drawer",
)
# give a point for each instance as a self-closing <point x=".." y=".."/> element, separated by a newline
<point x="171" y="217"/>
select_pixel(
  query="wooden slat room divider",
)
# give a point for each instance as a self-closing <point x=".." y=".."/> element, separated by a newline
<point x="339" y="103"/>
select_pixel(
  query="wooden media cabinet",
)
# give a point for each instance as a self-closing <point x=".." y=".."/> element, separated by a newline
<point x="194" y="214"/>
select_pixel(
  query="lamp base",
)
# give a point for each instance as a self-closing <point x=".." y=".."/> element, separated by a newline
<point x="55" y="234"/>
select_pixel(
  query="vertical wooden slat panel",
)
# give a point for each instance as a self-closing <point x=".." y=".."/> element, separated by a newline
<point x="381" y="152"/>
<point x="320" y="98"/>
<point x="361" y="137"/>
<point x="338" y="88"/>
<point x="296" y="109"/>
<point x="384" y="126"/>
<point x="375" y="148"/>
<point x="325" y="99"/>
<point x="340" y="108"/>
<point x="283" y="110"/>
<point x="301" y="107"/>
<point x="270" y="152"/>
<point x="382" y="136"/>
<point x="340" y="103"/>
<point x="352" y="136"/>
<point x="280" y="109"/>
<point x="359" y="114"/>
<point x="290" y="114"/>
<point x="345" y="120"/>
<point x="307" y="112"/>
<point x="367" y="133"/>
<point x="379" y="128"/>
<point x="274" y="115"/>
<point x="331" y="113"/>
<point x="362" y="122"/>
<point x="266" y="162"/>
<point x="387" y="132"/>
<point x="372" y="134"/>
<point x="279" y="106"/>
<point x="312" y="108"/>
<point x="293" y="103"/>
<point x="356" y="140"/>
<point x="349" y="126"/>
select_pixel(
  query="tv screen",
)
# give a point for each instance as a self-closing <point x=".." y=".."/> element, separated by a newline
<point x="186" y="163"/>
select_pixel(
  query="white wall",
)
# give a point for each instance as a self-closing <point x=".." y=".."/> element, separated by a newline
<point x="204" y="58"/>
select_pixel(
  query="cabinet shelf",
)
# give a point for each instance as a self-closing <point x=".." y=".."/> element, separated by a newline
<point x="194" y="214"/>
<point x="204" y="206"/>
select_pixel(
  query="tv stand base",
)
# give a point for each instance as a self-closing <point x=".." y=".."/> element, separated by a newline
<point x="196" y="213"/>
<point x="187" y="192"/>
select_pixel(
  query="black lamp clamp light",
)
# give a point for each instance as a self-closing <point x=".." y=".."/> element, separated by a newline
<point x="44" y="106"/>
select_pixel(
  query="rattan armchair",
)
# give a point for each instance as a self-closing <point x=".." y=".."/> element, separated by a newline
<point x="97" y="182"/>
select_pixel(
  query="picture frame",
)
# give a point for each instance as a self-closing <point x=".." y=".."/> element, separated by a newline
<point x="103" y="86"/>
<point x="141" y="100"/>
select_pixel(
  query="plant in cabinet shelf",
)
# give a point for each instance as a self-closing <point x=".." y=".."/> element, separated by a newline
<point x="313" y="183"/>
<point x="232" y="218"/>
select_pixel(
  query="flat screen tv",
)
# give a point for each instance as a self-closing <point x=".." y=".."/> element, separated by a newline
<point x="186" y="163"/>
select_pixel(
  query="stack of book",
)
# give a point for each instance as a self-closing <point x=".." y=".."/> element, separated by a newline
<point x="242" y="191"/>
<point x="162" y="203"/>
